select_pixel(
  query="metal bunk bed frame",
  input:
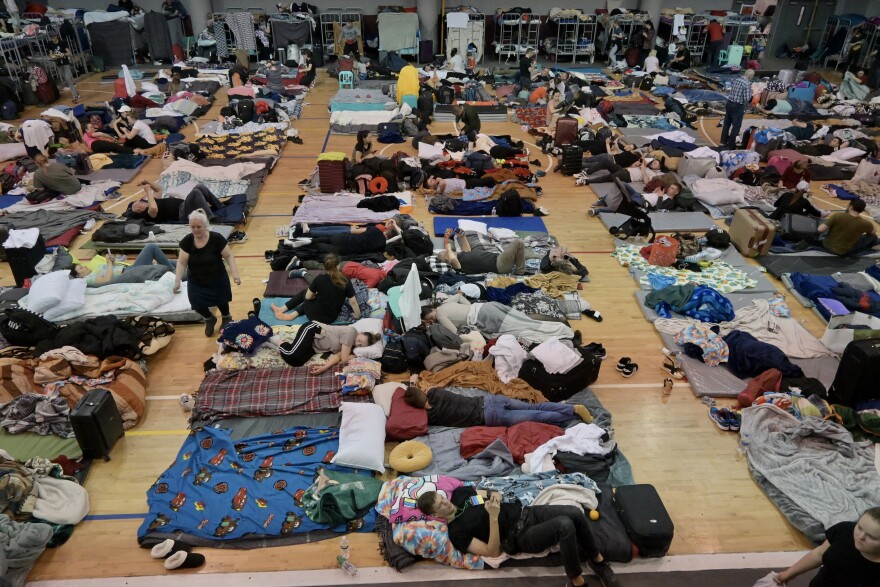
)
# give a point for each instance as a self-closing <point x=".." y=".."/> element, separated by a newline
<point x="835" y="23"/>
<point x="872" y="43"/>
<point x="569" y="34"/>
<point x="516" y="34"/>
<point x="290" y="16"/>
<point x="472" y="17"/>
<point x="694" y="35"/>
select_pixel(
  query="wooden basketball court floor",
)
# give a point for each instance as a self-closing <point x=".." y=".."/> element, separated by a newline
<point x="670" y="441"/>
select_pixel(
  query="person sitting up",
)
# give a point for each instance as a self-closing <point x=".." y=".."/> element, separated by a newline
<point x="323" y="299"/>
<point x="143" y="269"/>
<point x="644" y="170"/>
<point x="306" y="69"/>
<point x="134" y="133"/>
<point x="455" y="184"/>
<point x="155" y="208"/>
<point x="467" y="120"/>
<point x="493" y="319"/>
<point x="776" y="106"/>
<point x="512" y="258"/>
<point x="315" y="337"/>
<point x="363" y="147"/>
<point x="795" y="202"/>
<point x="487" y="527"/>
<point x="682" y="58"/>
<point x="445" y="408"/>
<point x="845" y="233"/>
<point x="796" y="173"/>
<point x="850" y="555"/>
<point x="652" y="64"/>
<point x="55" y="177"/>
<point x="274" y="73"/>
<point x="654" y="199"/>
<point x="578" y="98"/>
<point x="455" y="63"/>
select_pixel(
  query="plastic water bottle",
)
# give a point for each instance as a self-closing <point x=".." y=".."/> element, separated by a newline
<point x="343" y="548"/>
<point x="494" y="211"/>
<point x="346" y="565"/>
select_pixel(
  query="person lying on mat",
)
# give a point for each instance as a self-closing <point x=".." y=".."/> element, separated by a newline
<point x="323" y="299"/>
<point x="845" y="233"/>
<point x="486" y="527"/>
<point x="455" y="184"/>
<point x="775" y="106"/>
<point x="150" y="264"/>
<point x="656" y="198"/>
<point x="849" y="556"/>
<point x="470" y="262"/>
<point x="445" y="408"/>
<point x="315" y="337"/>
<point x="819" y="147"/>
<point x="172" y="208"/>
<point x="796" y="202"/>
<point x="360" y="240"/>
<point x="612" y="149"/>
<point x="644" y="170"/>
<point x="493" y="319"/>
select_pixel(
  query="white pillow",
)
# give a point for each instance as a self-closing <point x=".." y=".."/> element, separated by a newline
<point x="47" y="291"/>
<point x="74" y="299"/>
<point x="868" y="171"/>
<point x="374" y="351"/>
<point x="847" y="153"/>
<point x="718" y="192"/>
<point x="362" y="437"/>
<point x="383" y="393"/>
<point x="368" y="325"/>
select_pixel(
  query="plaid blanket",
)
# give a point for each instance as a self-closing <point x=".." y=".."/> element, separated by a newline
<point x="265" y="392"/>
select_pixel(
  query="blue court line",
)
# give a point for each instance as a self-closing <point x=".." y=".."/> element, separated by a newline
<point x="99" y="517"/>
<point x="326" y="140"/>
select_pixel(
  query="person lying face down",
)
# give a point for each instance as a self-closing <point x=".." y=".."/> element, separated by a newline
<point x="445" y="408"/>
<point x="484" y="526"/>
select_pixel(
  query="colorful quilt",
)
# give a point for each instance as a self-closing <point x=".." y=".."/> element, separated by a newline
<point x="251" y="490"/>
<point x="265" y="392"/>
<point x="720" y="276"/>
<point x="648" y="121"/>
<point x="534" y="117"/>
<point x="221" y="188"/>
<point x="267" y="142"/>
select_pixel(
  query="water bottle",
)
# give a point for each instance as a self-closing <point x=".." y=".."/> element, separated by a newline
<point x="343" y="548"/>
<point x="346" y="565"/>
<point x="494" y="211"/>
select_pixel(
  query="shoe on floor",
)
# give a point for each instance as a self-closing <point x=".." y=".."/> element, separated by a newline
<point x="629" y="370"/>
<point x="733" y="419"/>
<point x="541" y="212"/>
<point x="540" y="173"/>
<point x="667" y="386"/>
<point x="670" y="367"/>
<point x="719" y="416"/>
<point x="604" y="572"/>
<point x="184" y="560"/>
<point x="597" y="349"/>
<point x="595" y="315"/>
<point x="186" y="402"/>
<point x="622" y="363"/>
<point x="535" y="162"/>
<point x="168" y="547"/>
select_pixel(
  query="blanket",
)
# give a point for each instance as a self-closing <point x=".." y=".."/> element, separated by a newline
<point x="265" y="392"/>
<point x="335" y="208"/>
<point x="221" y="188"/>
<point x="815" y="463"/>
<point x="36" y="413"/>
<point x="254" y="144"/>
<point x="21" y="544"/>
<point x="496" y="459"/>
<point x="245" y="491"/>
<point x="481" y="375"/>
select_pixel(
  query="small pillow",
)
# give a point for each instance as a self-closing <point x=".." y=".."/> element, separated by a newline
<point x="47" y="291"/>
<point x="410" y="456"/>
<point x="405" y="421"/>
<point x="383" y="394"/>
<point x="847" y="153"/>
<point x="74" y="298"/>
<point x="368" y="325"/>
<point x="362" y="437"/>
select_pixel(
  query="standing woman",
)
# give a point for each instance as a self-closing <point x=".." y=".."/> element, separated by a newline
<point x="203" y="252"/>
<point x="648" y="35"/>
<point x="323" y="300"/>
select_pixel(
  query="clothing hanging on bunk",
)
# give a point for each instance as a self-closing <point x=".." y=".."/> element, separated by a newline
<point x="242" y="25"/>
<point x="220" y="37"/>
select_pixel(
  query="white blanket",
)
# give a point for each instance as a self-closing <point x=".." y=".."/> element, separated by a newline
<point x="87" y="196"/>
<point x="234" y="171"/>
<point x="371" y="117"/>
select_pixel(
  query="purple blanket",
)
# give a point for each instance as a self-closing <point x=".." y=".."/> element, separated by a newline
<point x="335" y="208"/>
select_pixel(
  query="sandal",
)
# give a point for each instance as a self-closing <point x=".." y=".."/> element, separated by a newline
<point x="667" y="386"/>
<point x="670" y="367"/>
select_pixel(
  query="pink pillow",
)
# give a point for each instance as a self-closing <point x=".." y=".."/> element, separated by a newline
<point x="405" y="421"/>
<point x="404" y="508"/>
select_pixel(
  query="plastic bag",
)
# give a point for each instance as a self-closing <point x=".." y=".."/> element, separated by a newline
<point x="767" y="581"/>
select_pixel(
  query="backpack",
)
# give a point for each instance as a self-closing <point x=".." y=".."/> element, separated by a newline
<point x="393" y="356"/>
<point x="445" y="95"/>
<point x="688" y="244"/>
<point x="509" y="204"/>
<point x="605" y="106"/>
<point x="416" y="346"/>
<point x="8" y="111"/>
<point x="24" y="328"/>
<point x="389" y="132"/>
<point x="717" y="239"/>
<point x="634" y="226"/>
<point x="442" y="338"/>
<point x="244" y="109"/>
<point x="418" y="242"/>
<point x="7" y="182"/>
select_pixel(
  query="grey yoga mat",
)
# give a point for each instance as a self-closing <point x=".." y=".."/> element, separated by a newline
<point x="666" y="221"/>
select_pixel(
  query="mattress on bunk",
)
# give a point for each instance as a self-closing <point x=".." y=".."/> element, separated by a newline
<point x="168" y="239"/>
<point x="112" y="41"/>
<point x="361" y="100"/>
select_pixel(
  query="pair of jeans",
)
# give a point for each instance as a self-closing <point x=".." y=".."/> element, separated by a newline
<point x="512" y="258"/>
<point x="67" y="76"/>
<point x="563" y="526"/>
<point x="499" y="410"/>
<point x="866" y="241"/>
<point x="713" y="52"/>
<point x="200" y="198"/>
<point x="733" y="117"/>
<point x="153" y="252"/>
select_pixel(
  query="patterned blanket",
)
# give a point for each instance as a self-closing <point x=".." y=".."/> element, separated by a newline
<point x="857" y="188"/>
<point x="221" y="188"/>
<point x="251" y="490"/>
<point x="265" y="392"/>
<point x="535" y="117"/>
<point x="267" y="142"/>
<point x="719" y="275"/>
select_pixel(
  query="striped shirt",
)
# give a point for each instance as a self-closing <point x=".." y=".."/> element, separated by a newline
<point x="740" y="90"/>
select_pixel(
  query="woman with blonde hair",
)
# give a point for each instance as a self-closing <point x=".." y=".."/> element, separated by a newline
<point x="323" y="299"/>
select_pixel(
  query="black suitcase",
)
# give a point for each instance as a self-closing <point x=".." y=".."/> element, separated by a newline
<point x="97" y="424"/>
<point x="857" y="374"/>
<point x="23" y="262"/>
<point x="796" y="227"/>
<point x="572" y="159"/>
<point x="646" y="519"/>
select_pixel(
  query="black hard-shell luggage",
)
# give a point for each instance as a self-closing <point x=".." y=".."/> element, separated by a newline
<point x="632" y="56"/>
<point x="558" y="387"/>
<point x="97" y="424"/>
<point x="797" y="227"/>
<point x="566" y="131"/>
<point x="858" y="373"/>
<point x="646" y="519"/>
<point x="572" y="159"/>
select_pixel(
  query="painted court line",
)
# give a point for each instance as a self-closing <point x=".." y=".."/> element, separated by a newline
<point x="156" y="432"/>
<point x="102" y="517"/>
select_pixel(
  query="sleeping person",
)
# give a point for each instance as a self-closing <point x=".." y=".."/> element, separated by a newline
<point x="314" y="337"/>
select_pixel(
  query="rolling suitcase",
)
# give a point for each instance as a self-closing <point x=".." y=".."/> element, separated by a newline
<point x="796" y="227"/>
<point x="331" y="172"/>
<point x="97" y="424"/>
<point x="857" y="374"/>
<point x="572" y="159"/>
<point x="566" y="131"/>
<point x="751" y="232"/>
<point x="632" y="56"/>
<point x="734" y="55"/>
<point x="647" y="522"/>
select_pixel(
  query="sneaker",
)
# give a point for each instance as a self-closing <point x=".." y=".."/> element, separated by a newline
<point x="734" y="420"/>
<point x="604" y="572"/>
<point x="294" y="263"/>
<point x="719" y="416"/>
<point x="187" y="402"/>
<point x="593" y="212"/>
<point x="540" y="173"/>
<point x="629" y="370"/>
<point x="296" y="273"/>
<point x="622" y="363"/>
<point x="541" y="212"/>
<point x="580" y="182"/>
<point x="597" y="350"/>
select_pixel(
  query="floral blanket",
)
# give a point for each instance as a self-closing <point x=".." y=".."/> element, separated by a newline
<point x="533" y="117"/>
<point x="720" y="276"/>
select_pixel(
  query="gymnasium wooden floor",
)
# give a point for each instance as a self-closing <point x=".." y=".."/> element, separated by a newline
<point x="671" y="442"/>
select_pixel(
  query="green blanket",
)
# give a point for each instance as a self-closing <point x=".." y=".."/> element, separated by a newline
<point x="340" y="497"/>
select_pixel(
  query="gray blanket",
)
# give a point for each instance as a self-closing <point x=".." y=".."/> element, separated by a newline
<point x="334" y="208"/>
<point x="494" y="461"/>
<point x="21" y="544"/>
<point x="816" y="464"/>
<point x="52" y="223"/>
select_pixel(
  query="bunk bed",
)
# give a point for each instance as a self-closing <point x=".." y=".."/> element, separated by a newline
<point x="689" y="26"/>
<point x="836" y="24"/>
<point x="516" y="32"/>
<point x="399" y="32"/>
<point x="872" y="42"/>
<point x="292" y="28"/>
<point x="465" y="30"/>
<point x="331" y="22"/>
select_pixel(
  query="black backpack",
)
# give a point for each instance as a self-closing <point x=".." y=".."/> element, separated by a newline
<point x="416" y="346"/>
<point x="634" y="226"/>
<point x="717" y="239"/>
<point x="445" y="95"/>
<point x="509" y="204"/>
<point x="24" y="328"/>
<point x="244" y="109"/>
<point x="394" y="357"/>
<point x="418" y="242"/>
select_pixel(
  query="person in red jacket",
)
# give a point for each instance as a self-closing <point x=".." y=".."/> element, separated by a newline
<point x="714" y="41"/>
<point x="797" y="172"/>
